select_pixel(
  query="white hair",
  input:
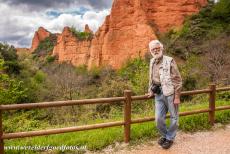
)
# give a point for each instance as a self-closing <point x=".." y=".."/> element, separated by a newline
<point x="154" y="43"/>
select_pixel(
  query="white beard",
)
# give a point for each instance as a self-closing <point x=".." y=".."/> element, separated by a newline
<point x="159" y="55"/>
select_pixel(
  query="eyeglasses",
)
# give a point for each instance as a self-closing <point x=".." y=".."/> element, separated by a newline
<point x="155" y="49"/>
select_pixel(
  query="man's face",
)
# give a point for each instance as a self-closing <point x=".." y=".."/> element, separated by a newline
<point x="156" y="52"/>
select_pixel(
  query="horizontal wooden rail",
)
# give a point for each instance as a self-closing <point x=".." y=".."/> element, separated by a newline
<point x="141" y="120"/>
<point x="61" y="103"/>
<point x="147" y="119"/>
<point x="60" y="130"/>
<point x="93" y="101"/>
<point x="184" y="93"/>
<point x="223" y="89"/>
<point x="142" y="97"/>
<point x="222" y="108"/>
<point x="194" y="92"/>
<point x="194" y="112"/>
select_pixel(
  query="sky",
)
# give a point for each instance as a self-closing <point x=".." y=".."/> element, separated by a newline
<point x="21" y="18"/>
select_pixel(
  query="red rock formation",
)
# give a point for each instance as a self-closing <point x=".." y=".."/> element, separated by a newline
<point x="39" y="36"/>
<point x="124" y="35"/>
<point x="127" y="31"/>
<point x="87" y="29"/>
<point x="165" y="14"/>
<point x="70" y="49"/>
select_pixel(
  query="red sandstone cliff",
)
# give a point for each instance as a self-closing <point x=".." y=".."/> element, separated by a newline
<point x="39" y="36"/>
<point x="165" y="14"/>
<point x="87" y="29"/>
<point x="70" y="49"/>
<point x="125" y="33"/>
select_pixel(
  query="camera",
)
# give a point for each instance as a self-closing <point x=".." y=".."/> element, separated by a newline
<point x="156" y="88"/>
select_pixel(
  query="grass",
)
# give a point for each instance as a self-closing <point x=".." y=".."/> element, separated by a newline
<point x="100" y="138"/>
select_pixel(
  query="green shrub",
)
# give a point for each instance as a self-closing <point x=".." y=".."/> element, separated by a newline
<point x="9" y="55"/>
<point x="46" y="46"/>
<point x="221" y="11"/>
<point x="82" y="69"/>
<point x="81" y="36"/>
<point x="40" y="77"/>
<point x="50" y="59"/>
<point x="94" y="74"/>
<point x="24" y="120"/>
<point x="12" y="91"/>
<point x="7" y="52"/>
<point x="12" y="67"/>
<point x="136" y="71"/>
<point x="224" y="95"/>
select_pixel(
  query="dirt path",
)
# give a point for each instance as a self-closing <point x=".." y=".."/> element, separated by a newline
<point x="216" y="141"/>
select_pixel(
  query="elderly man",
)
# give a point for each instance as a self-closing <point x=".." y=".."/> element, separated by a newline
<point x="165" y="83"/>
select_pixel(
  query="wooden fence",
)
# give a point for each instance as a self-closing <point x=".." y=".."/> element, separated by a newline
<point x="127" y="99"/>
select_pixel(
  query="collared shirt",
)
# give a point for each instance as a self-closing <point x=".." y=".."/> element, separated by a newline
<point x="175" y="75"/>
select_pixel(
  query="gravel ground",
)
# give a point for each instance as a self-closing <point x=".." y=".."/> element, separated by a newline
<point x="216" y="141"/>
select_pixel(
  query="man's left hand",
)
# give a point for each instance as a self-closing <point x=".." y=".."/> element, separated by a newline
<point x="177" y="99"/>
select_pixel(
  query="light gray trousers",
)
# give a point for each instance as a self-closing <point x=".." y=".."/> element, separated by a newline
<point x="164" y="104"/>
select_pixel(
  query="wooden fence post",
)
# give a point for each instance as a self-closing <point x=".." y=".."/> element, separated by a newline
<point x="212" y="101"/>
<point x="1" y="133"/>
<point x="127" y="115"/>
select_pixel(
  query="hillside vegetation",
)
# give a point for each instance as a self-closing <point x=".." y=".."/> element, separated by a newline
<point x="202" y="47"/>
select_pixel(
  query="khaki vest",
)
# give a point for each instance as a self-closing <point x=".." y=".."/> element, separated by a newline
<point x="165" y="77"/>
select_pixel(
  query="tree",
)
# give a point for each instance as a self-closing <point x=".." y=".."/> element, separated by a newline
<point x="8" y="54"/>
<point x="216" y="59"/>
<point x="11" y="90"/>
<point x="65" y="80"/>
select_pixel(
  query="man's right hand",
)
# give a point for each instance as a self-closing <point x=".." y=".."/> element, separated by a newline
<point x="149" y="95"/>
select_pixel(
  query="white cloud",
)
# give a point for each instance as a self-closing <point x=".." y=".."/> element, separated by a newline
<point x="17" y="27"/>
